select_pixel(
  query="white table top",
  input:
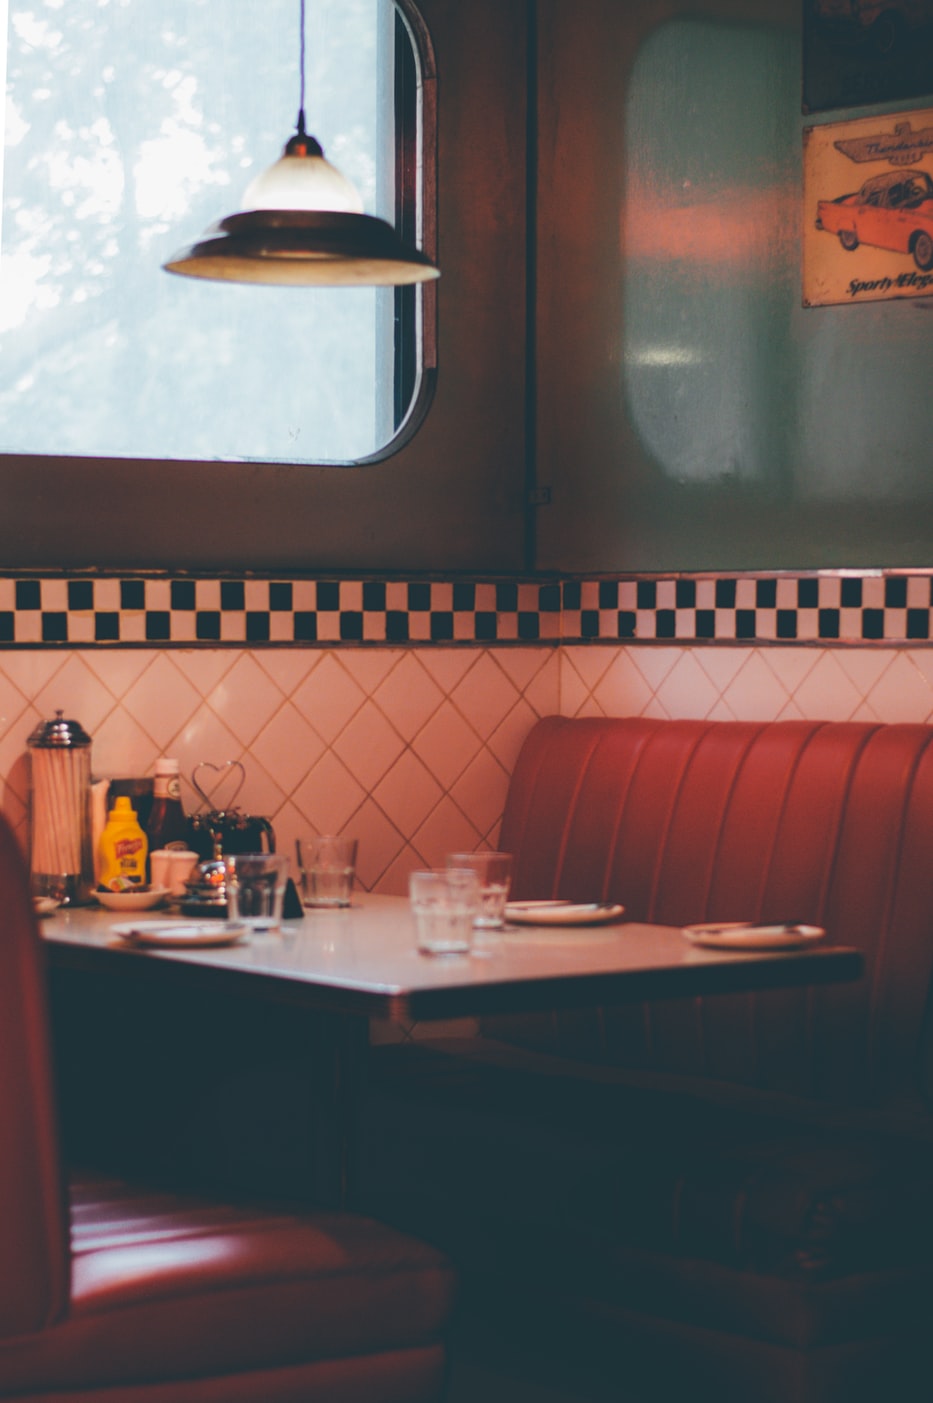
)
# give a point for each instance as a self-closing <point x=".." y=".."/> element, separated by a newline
<point x="363" y="960"/>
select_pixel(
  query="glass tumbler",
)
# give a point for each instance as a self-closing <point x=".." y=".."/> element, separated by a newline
<point x="256" y="889"/>
<point x="494" y="871"/>
<point x="444" y="904"/>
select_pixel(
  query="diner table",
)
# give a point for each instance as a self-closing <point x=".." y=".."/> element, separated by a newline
<point x="349" y="966"/>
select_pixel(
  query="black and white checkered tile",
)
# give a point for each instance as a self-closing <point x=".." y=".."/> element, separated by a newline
<point x="825" y="608"/>
<point x="156" y="610"/>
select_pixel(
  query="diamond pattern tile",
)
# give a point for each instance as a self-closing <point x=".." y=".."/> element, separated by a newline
<point x="329" y="795"/>
<point x="76" y="690"/>
<point x="409" y="748"/>
<point x="446" y="744"/>
<point x="31" y="671"/>
<point x="686" y="691"/>
<point x="287" y="747"/>
<point x="368" y="745"/>
<point x="480" y="791"/>
<point x="589" y="664"/>
<point x="288" y="667"/>
<point x="245" y="699"/>
<point x="543" y="690"/>
<point x="827" y="692"/>
<point x="121" y="736"/>
<point x="756" y="693"/>
<point x="445" y="830"/>
<point x="506" y="740"/>
<point x="380" y="844"/>
<point x="408" y="794"/>
<point x="575" y="699"/>
<point x="204" y="738"/>
<point x="902" y="693"/>
<point x="328" y="697"/>
<point x="119" y="669"/>
<point x="447" y="666"/>
<point x="161" y="701"/>
<point x="485" y="694"/>
<point x="409" y="696"/>
<point x="866" y="668"/>
<point x="203" y="667"/>
<point x="622" y="690"/>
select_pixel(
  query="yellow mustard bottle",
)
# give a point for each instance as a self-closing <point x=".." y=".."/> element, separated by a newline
<point x="123" y="848"/>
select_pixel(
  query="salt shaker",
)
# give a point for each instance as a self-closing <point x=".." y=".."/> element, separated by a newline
<point x="61" y="855"/>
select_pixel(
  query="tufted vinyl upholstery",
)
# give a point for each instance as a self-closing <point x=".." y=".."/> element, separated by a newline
<point x="120" y="1293"/>
<point x="688" y="821"/>
<point x="727" y="1197"/>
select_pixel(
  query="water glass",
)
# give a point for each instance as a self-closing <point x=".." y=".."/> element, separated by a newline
<point x="256" y="889"/>
<point x="445" y="905"/>
<point x="494" y="871"/>
<point x="328" y="867"/>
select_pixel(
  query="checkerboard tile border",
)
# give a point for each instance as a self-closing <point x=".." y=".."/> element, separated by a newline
<point x="149" y="610"/>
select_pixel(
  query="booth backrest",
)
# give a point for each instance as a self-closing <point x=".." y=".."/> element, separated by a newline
<point x="689" y="821"/>
<point x="33" y="1234"/>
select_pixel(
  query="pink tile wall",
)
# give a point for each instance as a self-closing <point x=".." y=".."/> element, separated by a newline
<point x="749" y="684"/>
<point x="409" y="748"/>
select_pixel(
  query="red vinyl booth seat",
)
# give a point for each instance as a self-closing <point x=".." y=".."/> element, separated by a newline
<point x="689" y="821"/>
<point x="736" y="1190"/>
<point x="112" y="1293"/>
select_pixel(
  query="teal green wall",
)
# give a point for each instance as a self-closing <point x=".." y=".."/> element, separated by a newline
<point x="749" y="431"/>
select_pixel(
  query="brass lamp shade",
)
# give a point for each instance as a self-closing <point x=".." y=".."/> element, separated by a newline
<point x="300" y="247"/>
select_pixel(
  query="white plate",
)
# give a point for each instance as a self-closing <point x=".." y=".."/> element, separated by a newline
<point x="562" y="913"/>
<point x="45" y="905"/>
<point x="179" y="934"/>
<point x="739" y="935"/>
<point x="132" y="900"/>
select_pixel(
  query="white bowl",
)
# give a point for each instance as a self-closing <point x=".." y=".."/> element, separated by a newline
<point x="132" y="900"/>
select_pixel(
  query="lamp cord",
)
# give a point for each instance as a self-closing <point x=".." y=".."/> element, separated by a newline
<point x="301" y="61"/>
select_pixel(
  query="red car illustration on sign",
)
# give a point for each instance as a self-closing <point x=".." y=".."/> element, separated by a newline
<point x="892" y="211"/>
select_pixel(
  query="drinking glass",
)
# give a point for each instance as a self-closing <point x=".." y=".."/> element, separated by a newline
<point x="444" y="904"/>
<point x="256" y="889"/>
<point x="328" y="867"/>
<point x="494" y="871"/>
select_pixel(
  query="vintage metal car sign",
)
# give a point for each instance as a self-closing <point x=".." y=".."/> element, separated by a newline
<point x="868" y="210"/>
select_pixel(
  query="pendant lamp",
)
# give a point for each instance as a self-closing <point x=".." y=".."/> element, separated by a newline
<point x="302" y="225"/>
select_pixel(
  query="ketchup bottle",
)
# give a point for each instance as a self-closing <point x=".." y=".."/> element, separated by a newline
<point x="166" y="825"/>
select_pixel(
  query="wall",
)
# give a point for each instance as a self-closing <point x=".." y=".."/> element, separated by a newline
<point x="691" y="412"/>
<point x="396" y="709"/>
<point x="410" y="749"/>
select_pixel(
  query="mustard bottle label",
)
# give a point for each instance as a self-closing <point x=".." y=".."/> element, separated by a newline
<point x="123" y="851"/>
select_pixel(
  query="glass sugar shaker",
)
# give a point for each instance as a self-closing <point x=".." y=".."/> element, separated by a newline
<point x="61" y="856"/>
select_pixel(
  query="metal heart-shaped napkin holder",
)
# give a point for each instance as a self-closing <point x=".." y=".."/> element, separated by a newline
<point x="221" y="776"/>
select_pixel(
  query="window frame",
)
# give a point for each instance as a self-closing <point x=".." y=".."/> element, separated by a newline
<point x="448" y="492"/>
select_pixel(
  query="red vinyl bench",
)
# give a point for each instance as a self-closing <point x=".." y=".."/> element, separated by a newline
<point x="731" y="1194"/>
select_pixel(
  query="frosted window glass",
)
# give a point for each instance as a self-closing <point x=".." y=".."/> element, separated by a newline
<point x="132" y="125"/>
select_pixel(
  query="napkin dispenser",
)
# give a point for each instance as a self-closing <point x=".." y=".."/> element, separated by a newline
<point x="222" y="828"/>
<point x="61" y="856"/>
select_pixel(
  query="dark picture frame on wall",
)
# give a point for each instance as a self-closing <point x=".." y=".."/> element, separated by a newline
<point x="859" y="52"/>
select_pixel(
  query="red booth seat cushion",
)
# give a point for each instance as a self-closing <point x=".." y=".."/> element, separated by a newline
<point x="157" y="1279"/>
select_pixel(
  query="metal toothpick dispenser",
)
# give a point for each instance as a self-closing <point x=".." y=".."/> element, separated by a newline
<point x="61" y="855"/>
